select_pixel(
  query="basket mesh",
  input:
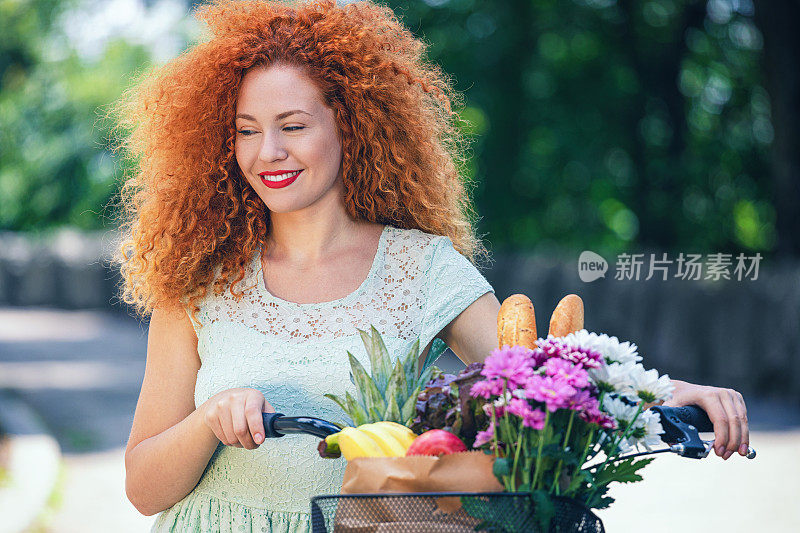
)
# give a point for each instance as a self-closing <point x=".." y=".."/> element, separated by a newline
<point x="452" y="512"/>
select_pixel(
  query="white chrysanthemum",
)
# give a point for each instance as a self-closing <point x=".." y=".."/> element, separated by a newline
<point x="614" y="377"/>
<point x="647" y="385"/>
<point x="620" y="410"/>
<point x="646" y="431"/>
<point x="613" y="351"/>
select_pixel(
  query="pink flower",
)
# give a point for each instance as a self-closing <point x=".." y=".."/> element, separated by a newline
<point x="595" y="416"/>
<point x="582" y="401"/>
<point x="573" y="374"/>
<point x="484" y="437"/>
<point x="487" y="388"/>
<point x="532" y="418"/>
<point x="555" y="392"/>
<point x="551" y="347"/>
<point x="513" y="363"/>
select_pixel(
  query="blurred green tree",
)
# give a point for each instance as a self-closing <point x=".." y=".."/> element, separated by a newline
<point x="599" y="124"/>
<point x="55" y="164"/>
<point x="611" y="124"/>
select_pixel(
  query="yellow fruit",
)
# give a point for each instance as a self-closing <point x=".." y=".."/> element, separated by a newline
<point x="400" y="432"/>
<point x="390" y="446"/>
<point x="354" y="443"/>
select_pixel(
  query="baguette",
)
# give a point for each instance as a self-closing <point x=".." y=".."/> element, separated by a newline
<point x="567" y="317"/>
<point x="516" y="322"/>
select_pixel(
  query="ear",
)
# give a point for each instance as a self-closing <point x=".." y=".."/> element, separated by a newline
<point x="567" y="317"/>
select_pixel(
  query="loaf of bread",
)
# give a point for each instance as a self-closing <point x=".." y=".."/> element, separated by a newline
<point x="516" y="322"/>
<point x="567" y="317"/>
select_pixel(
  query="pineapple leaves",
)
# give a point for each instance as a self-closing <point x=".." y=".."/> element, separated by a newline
<point x="437" y="349"/>
<point x="409" y="408"/>
<point x="425" y="377"/>
<point x="390" y="390"/>
<point x="368" y="392"/>
<point x="356" y="412"/>
<point x="379" y="360"/>
<point x="392" y="411"/>
<point x="341" y="403"/>
<point x="397" y="385"/>
<point x="411" y="366"/>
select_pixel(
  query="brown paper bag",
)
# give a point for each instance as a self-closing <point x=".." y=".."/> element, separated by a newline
<point x="458" y="472"/>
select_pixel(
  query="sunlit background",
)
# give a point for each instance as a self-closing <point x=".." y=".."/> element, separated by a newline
<point x="615" y="126"/>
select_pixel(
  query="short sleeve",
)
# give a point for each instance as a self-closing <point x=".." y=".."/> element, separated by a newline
<point x="453" y="283"/>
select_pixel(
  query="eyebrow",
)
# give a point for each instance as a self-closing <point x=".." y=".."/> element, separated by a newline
<point x="279" y="116"/>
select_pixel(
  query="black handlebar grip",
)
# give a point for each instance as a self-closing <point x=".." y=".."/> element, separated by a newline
<point x="269" y="425"/>
<point x="692" y="415"/>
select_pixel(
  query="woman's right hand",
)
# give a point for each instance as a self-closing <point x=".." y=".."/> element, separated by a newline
<point x="235" y="417"/>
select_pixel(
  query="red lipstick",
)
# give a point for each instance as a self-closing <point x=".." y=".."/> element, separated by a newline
<point x="288" y="178"/>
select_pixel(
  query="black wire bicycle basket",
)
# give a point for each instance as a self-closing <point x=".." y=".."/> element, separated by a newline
<point x="451" y="512"/>
<point x="494" y="512"/>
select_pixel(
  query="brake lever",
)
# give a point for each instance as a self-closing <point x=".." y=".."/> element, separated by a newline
<point x="681" y="434"/>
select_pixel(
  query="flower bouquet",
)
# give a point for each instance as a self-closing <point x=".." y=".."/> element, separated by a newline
<point x="553" y="416"/>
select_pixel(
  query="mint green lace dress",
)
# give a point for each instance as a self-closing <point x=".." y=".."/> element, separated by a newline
<point x="294" y="353"/>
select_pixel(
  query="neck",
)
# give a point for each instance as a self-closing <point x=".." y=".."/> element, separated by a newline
<point x="308" y="238"/>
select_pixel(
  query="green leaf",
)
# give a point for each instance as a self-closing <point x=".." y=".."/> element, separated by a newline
<point x="366" y="387"/>
<point x="501" y="467"/>
<point x="425" y="377"/>
<point x="623" y="472"/>
<point x="374" y="360"/>
<point x="411" y="366"/>
<point x="392" y="413"/>
<point x="340" y="402"/>
<point x="437" y="349"/>
<point x="385" y="361"/>
<point x="375" y="415"/>
<point x="409" y="408"/>
<point x="544" y="510"/>
<point x="356" y="412"/>
<point x="397" y="384"/>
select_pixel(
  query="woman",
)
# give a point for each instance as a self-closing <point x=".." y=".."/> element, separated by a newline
<point x="297" y="178"/>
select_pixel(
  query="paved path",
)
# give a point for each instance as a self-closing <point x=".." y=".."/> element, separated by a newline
<point x="81" y="370"/>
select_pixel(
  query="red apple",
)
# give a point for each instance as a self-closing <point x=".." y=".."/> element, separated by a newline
<point x="436" y="442"/>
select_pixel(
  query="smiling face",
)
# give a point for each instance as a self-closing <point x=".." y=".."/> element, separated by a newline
<point x="283" y="126"/>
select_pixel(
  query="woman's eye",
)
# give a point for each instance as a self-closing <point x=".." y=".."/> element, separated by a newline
<point x="293" y="128"/>
<point x="246" y="132"/>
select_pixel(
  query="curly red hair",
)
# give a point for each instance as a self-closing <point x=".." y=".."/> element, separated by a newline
<point x="189" y="217"/>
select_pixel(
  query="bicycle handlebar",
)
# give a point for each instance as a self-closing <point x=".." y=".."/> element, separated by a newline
<point x="277" y="425"/>
<point x="682" y="426"/>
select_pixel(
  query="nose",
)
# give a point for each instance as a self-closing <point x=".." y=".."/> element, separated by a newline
<point x="272" y="148"/>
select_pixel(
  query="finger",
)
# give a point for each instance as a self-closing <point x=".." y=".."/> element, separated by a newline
<point x="745" y="443"/>
<point x="255" y="421"/>
<point x="213" y="423"/>
<point x="240" y="426"/>
<point x="716" y="413"/>
<point x="226" y="423"/>
<point x="734" y="426"/>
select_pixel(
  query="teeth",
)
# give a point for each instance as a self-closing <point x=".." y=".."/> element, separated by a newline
<point x="281" y="177"/>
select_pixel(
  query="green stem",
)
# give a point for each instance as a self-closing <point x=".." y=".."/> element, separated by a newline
<point x="613" y="449"/>
<point x="516" y="455"/>
<point x="539" y="454"/>
<point x="555" y="488"/>
<point x="494" y="436"/>
<point x="583" y="455"/>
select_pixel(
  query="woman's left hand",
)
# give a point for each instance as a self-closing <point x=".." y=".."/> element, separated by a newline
<point x="725" y="409"/>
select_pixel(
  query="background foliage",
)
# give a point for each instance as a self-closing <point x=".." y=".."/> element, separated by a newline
<point x="599" y="124"/>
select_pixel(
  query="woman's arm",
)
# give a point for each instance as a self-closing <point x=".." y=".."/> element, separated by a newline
<point x="472" y="336"/>
<point x="169" y="445"/>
